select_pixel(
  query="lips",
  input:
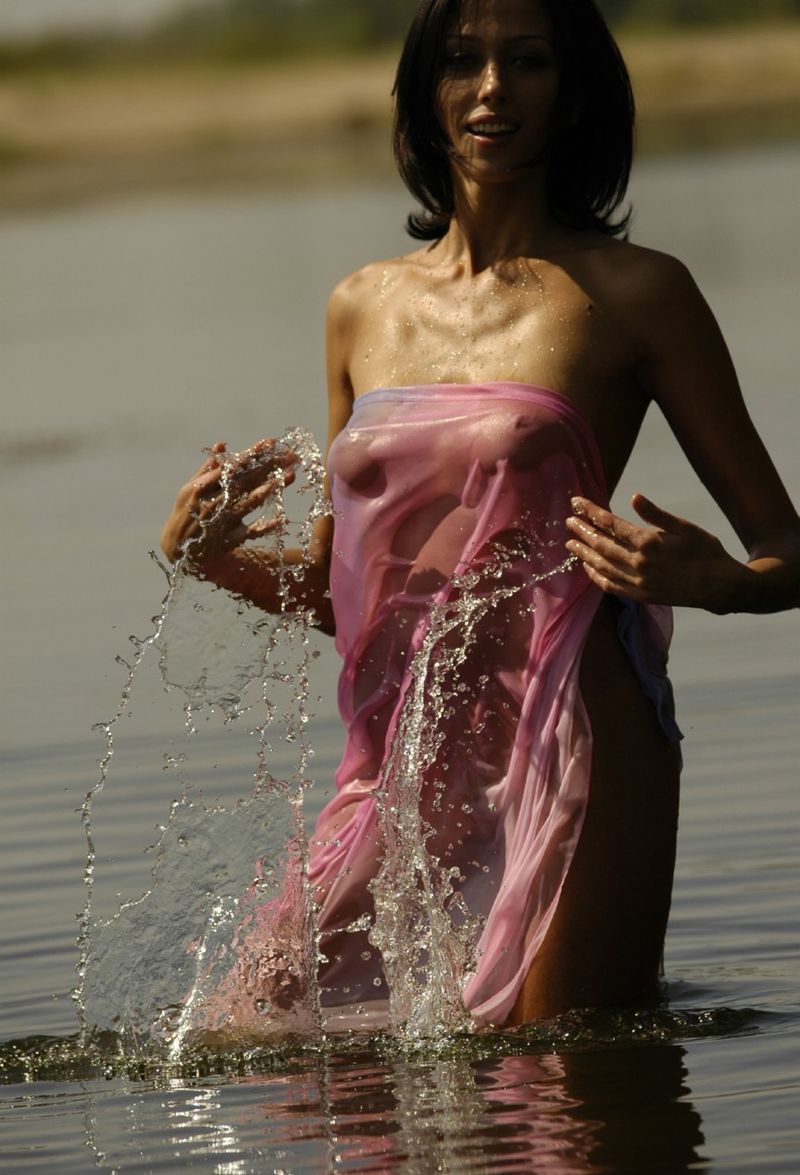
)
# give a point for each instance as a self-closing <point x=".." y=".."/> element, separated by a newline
<point x="491" y="128"/>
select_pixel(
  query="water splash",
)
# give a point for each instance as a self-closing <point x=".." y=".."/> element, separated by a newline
<point x="423" y="927"/>
<point x="424" y="932"/>
<point x="147" y="970"/>
<point x="224" y="945"/>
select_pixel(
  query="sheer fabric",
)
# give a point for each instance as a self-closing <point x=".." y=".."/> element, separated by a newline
<point x="445" y="492"/>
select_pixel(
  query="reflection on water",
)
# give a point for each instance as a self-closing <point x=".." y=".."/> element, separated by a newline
<point x="564" y="1113"/>
<point x="443" y="1114"/>
<point x="587" y="1092"/>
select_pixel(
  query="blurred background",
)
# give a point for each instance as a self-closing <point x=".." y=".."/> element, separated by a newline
<point x="181" y="185"/>
<point x="98" y="96"/>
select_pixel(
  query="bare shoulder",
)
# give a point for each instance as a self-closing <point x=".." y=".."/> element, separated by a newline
<point x="357" y="292"/>
<point x="636" y="278"/>
<point x="650" y="295"/>
<point x="346" y="307"/>
<point x="350" y="305"/>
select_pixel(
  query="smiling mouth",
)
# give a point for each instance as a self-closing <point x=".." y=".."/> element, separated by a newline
<point x="492" y="129"/>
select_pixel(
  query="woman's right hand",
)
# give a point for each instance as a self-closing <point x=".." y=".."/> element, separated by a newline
<point x="209" y="512"/>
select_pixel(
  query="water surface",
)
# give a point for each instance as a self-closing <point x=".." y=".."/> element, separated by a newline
<point x="133" y="334"/>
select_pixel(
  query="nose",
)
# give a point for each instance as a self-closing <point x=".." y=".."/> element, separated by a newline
<point x="492" y="85"/>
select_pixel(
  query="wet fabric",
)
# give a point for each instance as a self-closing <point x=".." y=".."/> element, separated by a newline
<point x="444" y="496"/>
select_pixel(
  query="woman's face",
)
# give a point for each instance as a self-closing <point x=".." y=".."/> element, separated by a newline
<point x="497" y="94"/>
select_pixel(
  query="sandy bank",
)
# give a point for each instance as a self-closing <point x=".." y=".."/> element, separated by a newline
<point x="75" y="136"/>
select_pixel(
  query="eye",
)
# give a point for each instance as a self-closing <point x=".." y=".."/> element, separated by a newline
<point x="532" y="61"/>
<point x="459" y="60"/>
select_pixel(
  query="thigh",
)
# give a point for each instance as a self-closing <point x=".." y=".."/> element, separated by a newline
<point x="605" y="942"/>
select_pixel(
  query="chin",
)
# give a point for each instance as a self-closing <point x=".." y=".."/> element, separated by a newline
<point x="480" y="172"/>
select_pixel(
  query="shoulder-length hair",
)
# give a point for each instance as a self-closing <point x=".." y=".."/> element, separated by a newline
<point x="591" y="151"/>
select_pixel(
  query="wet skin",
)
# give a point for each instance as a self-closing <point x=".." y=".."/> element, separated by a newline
<point x="511" y="294"/>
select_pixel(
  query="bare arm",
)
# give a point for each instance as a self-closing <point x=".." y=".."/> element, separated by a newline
<point x="212" y="529"/>
<point x="207" y="526"/>
<point x="685" y="367"/>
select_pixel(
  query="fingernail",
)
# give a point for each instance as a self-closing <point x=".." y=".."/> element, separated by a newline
<point x="577" y="505"/>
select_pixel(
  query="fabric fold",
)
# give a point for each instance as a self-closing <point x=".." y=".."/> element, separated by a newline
<point x="450" y="509"/>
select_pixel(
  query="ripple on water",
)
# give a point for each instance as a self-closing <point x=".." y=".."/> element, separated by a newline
<point x="117" y="1055"/>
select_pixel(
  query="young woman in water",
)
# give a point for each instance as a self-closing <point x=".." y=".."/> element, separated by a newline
<point x="486" y="391"/>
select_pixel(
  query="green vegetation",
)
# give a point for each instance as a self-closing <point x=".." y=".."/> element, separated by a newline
<point x="243" y="30"/>
<point x="238" y="31"/>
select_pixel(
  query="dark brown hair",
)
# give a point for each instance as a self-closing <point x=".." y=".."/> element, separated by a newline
<point x="591" y="152"/>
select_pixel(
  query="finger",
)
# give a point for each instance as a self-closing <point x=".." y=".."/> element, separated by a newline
<point x="223" y="511"/>
<point x="245" y="459"/>
<point x="266" y="453"/>
<point x="217" y="535"/>
<point x="608" y="543"/>
<point x="603" y="520"/>
<point x="266" y="479"/>
<point x="191" y="531"/>
<point x="256" y="464"/>
<point x="212" y="460"/>
<point x="208" y="473"/>
<point x="239" y="505"/>
<point x="207" y="482"/>
<point x="612" y="562"/>
<point x="180" y="546"/>
<point x="261" y="448"/>
<point x="262" y="527"/>
<point x="257" y="497"/>
<point x="282" y="453"/>
<point x="614" y="586"/>
<point x="656" y="516"/>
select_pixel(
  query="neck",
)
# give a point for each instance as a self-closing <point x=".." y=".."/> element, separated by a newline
<point x="496" y="222"/>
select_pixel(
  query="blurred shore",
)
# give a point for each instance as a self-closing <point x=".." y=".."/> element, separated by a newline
<point x="69" y="136"/>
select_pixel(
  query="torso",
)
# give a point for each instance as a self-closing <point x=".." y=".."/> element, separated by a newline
<point x="550" y="323"/>
<point x="568" y="324"/>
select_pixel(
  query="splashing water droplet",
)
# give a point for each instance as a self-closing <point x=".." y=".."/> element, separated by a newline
<point x="226" y="974"/>
<point x="190" y="889"/>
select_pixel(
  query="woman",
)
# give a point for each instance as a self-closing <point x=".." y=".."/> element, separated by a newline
<point x="516" y="353"/>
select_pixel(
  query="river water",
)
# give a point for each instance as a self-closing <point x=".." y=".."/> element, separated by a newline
<point x="134" y="333"/>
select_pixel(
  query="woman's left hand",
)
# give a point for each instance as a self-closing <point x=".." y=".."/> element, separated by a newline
<point x="669" y="561"/>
